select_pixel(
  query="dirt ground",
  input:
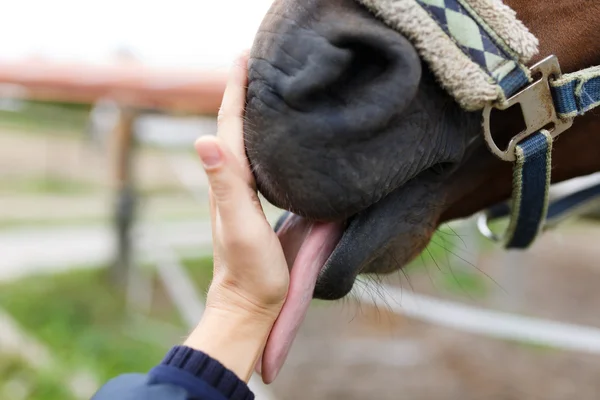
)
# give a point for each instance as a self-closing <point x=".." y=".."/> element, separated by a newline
<point x="347" y="351"/>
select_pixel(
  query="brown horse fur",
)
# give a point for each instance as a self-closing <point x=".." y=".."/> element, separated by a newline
<point x="569" y="30"/>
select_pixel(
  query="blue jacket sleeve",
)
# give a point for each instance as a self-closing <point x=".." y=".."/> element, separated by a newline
<point x="184" y="374"/>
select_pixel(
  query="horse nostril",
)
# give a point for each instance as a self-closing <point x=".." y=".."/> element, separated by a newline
<point x="341" y="69"/>
<point x="363" y="65"/>
<point x="326" y="93"/>
<point x="367" y="64"/>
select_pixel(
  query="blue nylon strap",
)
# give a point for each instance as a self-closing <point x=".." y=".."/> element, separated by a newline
<point x="531" y="182"/>
<point x="576" y="93"/>
<point x="573" y="94"/>
<point x="558" y="209"/>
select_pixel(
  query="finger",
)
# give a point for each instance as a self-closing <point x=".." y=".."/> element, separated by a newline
<point x="234" y="200"/>
<point x="231" y="113"/>
<point x="213" y="213"/>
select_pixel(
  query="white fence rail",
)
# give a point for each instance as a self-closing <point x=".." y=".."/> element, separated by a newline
<point x="486" y="322"/>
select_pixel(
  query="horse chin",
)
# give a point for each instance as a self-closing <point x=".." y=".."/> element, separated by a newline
<point x="380" y="239"/>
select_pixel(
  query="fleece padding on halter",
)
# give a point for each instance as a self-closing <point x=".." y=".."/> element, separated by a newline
<point x="476" y="49"/>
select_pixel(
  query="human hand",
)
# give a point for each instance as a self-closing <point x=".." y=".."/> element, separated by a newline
<point x="251" y="279"/>
<point x="251" y="274"/>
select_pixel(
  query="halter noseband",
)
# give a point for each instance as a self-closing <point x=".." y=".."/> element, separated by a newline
<point x="478" y="50"/>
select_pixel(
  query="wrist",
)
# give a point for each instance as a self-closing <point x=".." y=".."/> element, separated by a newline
<point x="234" y="338"/>
<point x="230" y="300"/>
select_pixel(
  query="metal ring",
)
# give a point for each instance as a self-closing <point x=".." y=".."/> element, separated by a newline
<point x="484" y="229"/>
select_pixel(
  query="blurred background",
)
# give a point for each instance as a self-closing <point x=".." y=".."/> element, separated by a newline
<point x="105" y="236"/>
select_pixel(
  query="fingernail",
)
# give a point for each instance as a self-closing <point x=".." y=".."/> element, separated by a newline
<point x="209" y="153"/>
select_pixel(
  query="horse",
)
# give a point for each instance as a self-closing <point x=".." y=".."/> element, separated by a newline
<point x="348" y="129"/>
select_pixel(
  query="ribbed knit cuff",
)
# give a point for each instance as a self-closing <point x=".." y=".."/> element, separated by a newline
<point x="209" y="370"/>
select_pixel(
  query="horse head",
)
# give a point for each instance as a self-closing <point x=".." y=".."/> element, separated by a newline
<point x="348" y="129"/>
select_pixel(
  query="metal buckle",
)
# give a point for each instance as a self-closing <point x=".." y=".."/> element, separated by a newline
<point x="537" y="106"/>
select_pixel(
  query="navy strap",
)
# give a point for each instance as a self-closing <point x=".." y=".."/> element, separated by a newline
<point x="559" y="209"/>
<point x="576" y="93"/>
<point x="583" y="199"/>
<point x="531" y="181"/>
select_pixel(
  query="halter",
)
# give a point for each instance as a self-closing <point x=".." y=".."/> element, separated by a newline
<point x="478" y="51"/>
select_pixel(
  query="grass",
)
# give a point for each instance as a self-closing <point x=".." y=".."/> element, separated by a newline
<point x="12" y="223"/>
<point x="21" y="382"/>
<point x="201" y="272"/>
<point x="50" y="184"/>
<point x="98" y="220"/>
<point x="452" y="272"/>
<point x="60" y="185"/>
<point x="7" y="223"/>
<point x="82" y="318"/>
<point x="534" y="346"/>
<point x="459" y="281"/>
<point x="44" y="117"/>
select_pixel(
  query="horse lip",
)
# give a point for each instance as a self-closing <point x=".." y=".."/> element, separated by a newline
<point x="366" y="238"/>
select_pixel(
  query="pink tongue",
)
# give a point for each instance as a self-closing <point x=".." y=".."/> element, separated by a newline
<point x="320" y="241"/>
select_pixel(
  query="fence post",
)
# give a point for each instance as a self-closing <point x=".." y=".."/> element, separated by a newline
<point x="124" y="212"/>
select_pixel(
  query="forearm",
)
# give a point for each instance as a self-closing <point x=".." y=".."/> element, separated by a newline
<point x="234" y="339"/>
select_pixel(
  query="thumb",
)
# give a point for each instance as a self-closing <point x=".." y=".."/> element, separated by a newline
<point x="230" y="191"/>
